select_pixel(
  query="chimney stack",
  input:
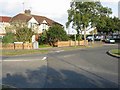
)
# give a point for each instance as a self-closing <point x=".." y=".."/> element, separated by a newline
<point x="28" y="12"/>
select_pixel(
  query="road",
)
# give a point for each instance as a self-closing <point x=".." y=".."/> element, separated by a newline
<point x="86" y="68"/>
<point x="27" y="71"/>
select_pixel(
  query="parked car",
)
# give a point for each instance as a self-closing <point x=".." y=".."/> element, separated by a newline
<point x="98" y="37"/>
<point x="109" y="39"/>
<point x="116" y="38"/>
<point x="90" y="38"/>
<point x="95" y="37"/>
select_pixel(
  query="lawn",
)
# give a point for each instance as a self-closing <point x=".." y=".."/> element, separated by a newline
<point x="115" y="51"/>
<point x="22" y="52"/>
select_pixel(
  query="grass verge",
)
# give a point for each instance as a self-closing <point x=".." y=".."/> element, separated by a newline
<point x="115" y="51"/>
<point x="22" y="52"/>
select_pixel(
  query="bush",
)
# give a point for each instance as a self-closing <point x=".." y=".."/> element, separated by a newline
<point x="8" y="38"/>
<point x="56" y="33"/>
<point x="43" y="39"/>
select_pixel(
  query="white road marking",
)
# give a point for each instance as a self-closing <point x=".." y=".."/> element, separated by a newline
<point x="59" y="51"/>
<point x="15" y="60"/>
<point x="68" y="55"/>
<point x="44" y="58"/>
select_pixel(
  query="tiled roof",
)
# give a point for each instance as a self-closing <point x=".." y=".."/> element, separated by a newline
<point x="39" y="19"/>
<point x="4" y="19"/>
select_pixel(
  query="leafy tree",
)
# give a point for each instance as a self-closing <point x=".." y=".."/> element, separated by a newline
<point x="84" y="14"/>
<point x="56" y="33"/>
<point x="108" y="22"/>
<point x="111" y="25"/>
<point x="23" y="34"/>
<point x="21" y="31"/>
<point x="116" y="24"/>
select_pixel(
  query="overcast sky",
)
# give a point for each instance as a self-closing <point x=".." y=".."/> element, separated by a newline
<point x="54" y="9"/>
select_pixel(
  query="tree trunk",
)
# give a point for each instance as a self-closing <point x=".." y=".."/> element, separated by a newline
<point x="85" y="36"/>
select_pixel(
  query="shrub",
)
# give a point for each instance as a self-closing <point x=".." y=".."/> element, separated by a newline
<point x="55" y="33"/>
<point x="8" y="38"/>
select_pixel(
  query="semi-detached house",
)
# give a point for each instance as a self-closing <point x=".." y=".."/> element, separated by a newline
<point x="37" y="23"/>
<point x="4" y="22"/>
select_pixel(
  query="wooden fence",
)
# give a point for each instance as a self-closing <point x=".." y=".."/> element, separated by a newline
<point x="30" y="46"/>
<point x="16" y="46"/>
<point x="70" y="43"/>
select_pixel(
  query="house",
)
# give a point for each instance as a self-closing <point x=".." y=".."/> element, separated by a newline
<point x="90" y="31"/>
<point x="37" y="23"/>
<point x="4" y="22"/>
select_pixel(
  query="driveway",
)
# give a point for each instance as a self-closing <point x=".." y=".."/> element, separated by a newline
<point x="86" y="68"/>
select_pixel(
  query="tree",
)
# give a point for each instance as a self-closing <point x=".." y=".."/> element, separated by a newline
<point x="107" y="27"/>
<point x="111" y="25"/>
<point x="56" y="33"/>
<point x="21" y="31"/>
<point x="116" y="24"/>
<point x="23" y="34"/>
<point x="84" y="14"/>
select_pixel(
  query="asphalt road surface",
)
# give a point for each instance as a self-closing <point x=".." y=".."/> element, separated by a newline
<point x="28" y="71"/>
<point x="87" y="68"/>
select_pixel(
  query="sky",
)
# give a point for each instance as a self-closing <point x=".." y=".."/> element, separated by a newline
<point x="53" y="9"/>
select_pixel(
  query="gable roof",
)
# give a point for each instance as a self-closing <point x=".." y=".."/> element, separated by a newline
<point x="39" y="19"/>
<point x="4" y="19"/>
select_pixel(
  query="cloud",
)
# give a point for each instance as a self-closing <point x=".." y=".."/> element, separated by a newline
<point x="54" y="9"/>
<point x="50" y="8"/>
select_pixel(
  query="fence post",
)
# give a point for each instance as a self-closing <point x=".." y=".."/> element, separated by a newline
<point x="22" y="45"/>
<point x="14" y="45"/>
